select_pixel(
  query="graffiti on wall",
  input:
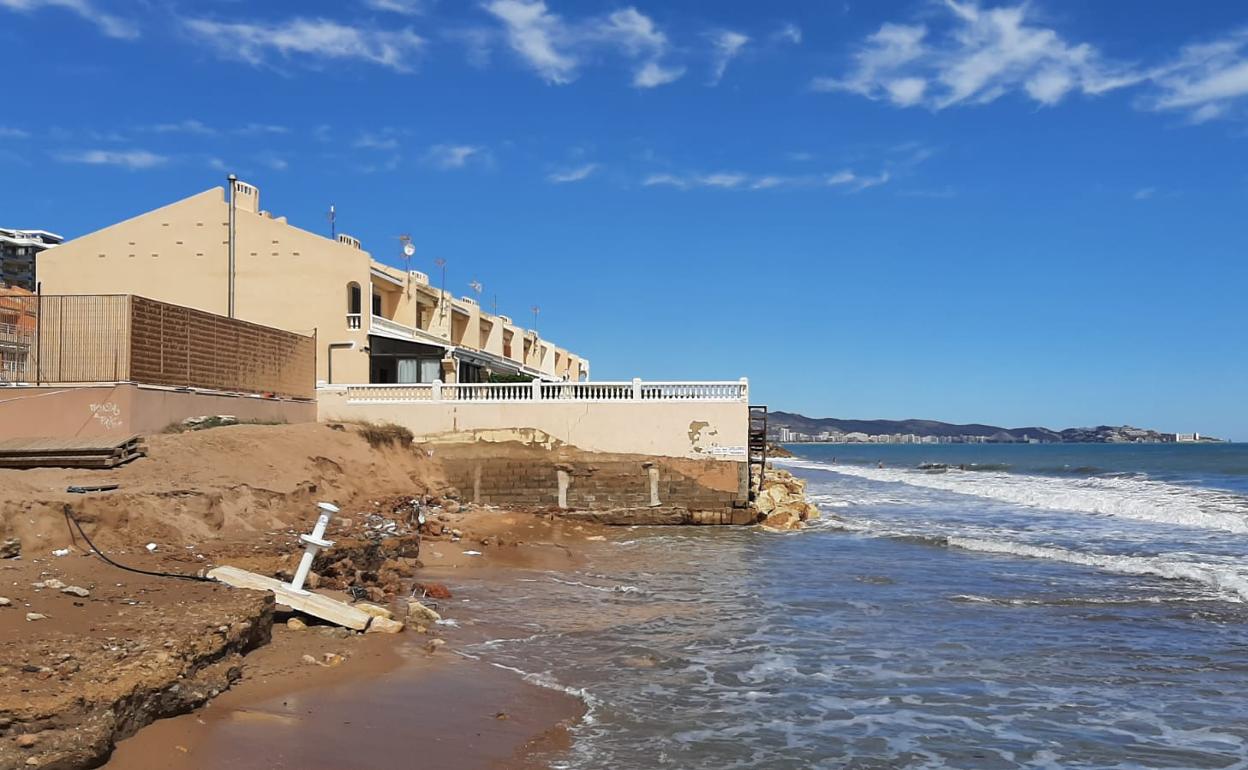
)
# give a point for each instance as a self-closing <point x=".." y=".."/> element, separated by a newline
<point x="107" y="414"/>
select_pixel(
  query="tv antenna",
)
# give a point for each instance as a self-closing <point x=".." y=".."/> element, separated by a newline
<point x="536" y="310"/>
<point x="440" y="262"/>
<point x="475" y="285"/>
<point x="332" y="216"/>
<point x="409" y="250"/>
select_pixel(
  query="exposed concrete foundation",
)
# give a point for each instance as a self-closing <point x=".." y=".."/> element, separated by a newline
<point x="609" y="488"/>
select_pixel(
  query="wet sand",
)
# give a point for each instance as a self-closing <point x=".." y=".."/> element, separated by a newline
<point x="450" y="713"/>
<point x="392" y="704"/>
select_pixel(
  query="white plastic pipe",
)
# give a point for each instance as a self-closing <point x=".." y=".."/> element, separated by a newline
<point x="313" y="544"/>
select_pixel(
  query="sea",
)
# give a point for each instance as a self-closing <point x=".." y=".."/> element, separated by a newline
<point x="956" y="606"/>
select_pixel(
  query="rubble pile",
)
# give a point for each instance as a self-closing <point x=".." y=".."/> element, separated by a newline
<point x="782" y="501"/>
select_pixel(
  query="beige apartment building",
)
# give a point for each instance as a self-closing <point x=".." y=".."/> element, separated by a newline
<point x="373" y="323"/>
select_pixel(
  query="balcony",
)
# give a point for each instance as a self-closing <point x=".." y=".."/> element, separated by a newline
<point x="353" y="321"/>
<point x="387" y="328"/>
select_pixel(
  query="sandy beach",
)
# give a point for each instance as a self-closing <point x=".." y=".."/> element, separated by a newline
<point x="109" y="663"/>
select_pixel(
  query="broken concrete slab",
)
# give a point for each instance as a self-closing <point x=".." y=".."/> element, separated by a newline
<point x="313" y="604"/>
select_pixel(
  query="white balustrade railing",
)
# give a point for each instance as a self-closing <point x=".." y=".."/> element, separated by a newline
<point x="386" y="326"/>
<point x="353" y="320"/>
<point x="396" y="394"/>
<point x="512" y="392"/>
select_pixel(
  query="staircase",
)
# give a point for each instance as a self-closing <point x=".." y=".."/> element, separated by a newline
<point x="757" y="447"/>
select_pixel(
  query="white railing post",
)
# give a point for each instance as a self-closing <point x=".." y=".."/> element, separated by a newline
<point x="745" y="388"/>
<point x="437" y="390"/>
<point x="636" y="388"/>
<point x="537" y="390"/>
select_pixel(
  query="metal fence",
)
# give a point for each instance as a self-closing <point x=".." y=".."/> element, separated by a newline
<point x="122" y="338"/>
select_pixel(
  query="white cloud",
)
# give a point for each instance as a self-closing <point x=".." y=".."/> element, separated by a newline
<point x="557" y="48"/>
<point x="404" y="7"/>
<point x="131" y="159"/>
<point x="573" y="174"/>
<point x="112" y="26"/>
<point x="788" y="33"/>
<point x="7" y="132"/>
<point x="1204" y="80"/>
<point x="253" y="129"/>
<point x="449" y="156"/>
<point x="727" y="46"/>
<point x="982" y="55"/>
<point x="316" y="38"/>
<point x="1144" y="193"/>
<point x="183" y="127"/>
<point x="652" y="74"/>
<point x="369" y="141"/>
<point x="532" y="32"/>
<point x="734" y="180"/>
<point x="275" y="163"/>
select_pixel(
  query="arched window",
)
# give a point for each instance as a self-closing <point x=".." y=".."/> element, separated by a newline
<point x="353" y="298"/>
<point x="353" y="306"/>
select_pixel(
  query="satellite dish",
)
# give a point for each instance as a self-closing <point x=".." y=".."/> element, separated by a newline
<point x="409" y="249"/>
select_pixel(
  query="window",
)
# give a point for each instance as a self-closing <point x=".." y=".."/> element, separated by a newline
<point x="353" y="298"/>
<point x="419" y="370"/>
<point x="376" y="304"/>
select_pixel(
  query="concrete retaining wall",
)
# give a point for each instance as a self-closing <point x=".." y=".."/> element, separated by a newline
<point x="68" y="411"/>
<point x="692" y="429"/>
<point x="624" y="489"/>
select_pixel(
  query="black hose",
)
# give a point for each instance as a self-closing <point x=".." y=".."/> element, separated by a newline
<point x="98" y="552"/>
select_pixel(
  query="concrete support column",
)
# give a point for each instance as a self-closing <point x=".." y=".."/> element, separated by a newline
<point x="450" y="371"/>
<point x="653" y="473"/>
<point x="564" y="480"/>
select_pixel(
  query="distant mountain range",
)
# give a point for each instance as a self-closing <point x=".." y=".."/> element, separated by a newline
<point x="813" y="427"/>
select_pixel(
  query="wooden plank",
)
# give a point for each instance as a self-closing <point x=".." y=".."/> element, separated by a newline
<point x="64" y="446"/>
<point x="314" y="604"/>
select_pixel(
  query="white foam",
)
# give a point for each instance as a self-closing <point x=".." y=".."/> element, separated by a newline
<point x="545" y="680"/>
<point x="1221" y="578"/>
<point x="1127" y="497"/>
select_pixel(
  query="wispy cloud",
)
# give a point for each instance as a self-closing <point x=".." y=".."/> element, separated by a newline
<point x="110" y="25"/>
<point x="846" y="180"/>
<point x="255" y="42"/>
<point x="370" y="141"/>
<point x="257" y="129"/>
<point x="130" y="159"/>
<point x="576" y="174"/>
<point x="557" y="48"/>
<point x="452" y="156"/>
<point x="183" y="127"/>
<point x="275" y="162"/>
<point x="1205" y="80"/>
<point x="788" y="33"/>
<point x="404" y="7"/>
<point x="727" y="45"/>
<point x="7" y="132"/>
<point x="1144" y="193"/>
<point x="977" y="56"/>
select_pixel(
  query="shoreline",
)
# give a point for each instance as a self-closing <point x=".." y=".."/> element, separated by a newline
<point x="482" y="716"/>
<point x="102" y="660"/>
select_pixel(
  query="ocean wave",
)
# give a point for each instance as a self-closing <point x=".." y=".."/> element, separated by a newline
<point x="1077" y="601"/>
<point x="592" y="704"/>
<point x="1131" y="497"/>
<point x="1227" y="581"/>
<point x="1218" y="577"/>
<point x="615" y="589"/>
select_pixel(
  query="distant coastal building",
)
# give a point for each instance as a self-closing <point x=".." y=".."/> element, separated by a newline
<point x="373" y="323"/>
<point x="17" y="255"/>
<point x="17" y="327"/>
<point x="1186" y="438"/>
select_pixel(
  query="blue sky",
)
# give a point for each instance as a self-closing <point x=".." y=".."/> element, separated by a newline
<point x="1008" y="213"/>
